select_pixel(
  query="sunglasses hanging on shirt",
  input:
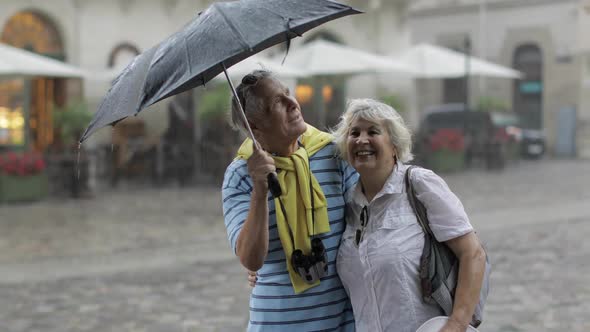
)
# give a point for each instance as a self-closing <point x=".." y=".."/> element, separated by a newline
<point x="361" y="230"/>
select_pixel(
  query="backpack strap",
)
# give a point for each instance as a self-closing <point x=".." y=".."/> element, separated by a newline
<point x="417" y="206"/>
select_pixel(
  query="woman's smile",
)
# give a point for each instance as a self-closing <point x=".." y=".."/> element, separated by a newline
<point x="369" y="146"/>
<point x="364" y="153"/>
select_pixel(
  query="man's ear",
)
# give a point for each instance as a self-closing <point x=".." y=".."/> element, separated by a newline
<point x="252" y="125"/>
<point x="256" y="131"/>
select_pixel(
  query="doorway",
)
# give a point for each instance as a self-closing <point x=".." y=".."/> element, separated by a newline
<point x="528" y="92"/>
<point x="36" y="33"/>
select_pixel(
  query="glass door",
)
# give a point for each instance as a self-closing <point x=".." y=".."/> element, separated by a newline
<point x="12" y="114"/>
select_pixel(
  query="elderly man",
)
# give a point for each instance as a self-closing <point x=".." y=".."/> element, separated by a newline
<point x="265" y="231"/>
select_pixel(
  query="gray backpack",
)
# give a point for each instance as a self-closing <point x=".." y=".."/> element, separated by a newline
<point x="439" y="265"/>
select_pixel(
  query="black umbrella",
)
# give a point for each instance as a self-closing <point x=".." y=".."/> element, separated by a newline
<point x="219" y="37"/>
<point x="121" y="99"/>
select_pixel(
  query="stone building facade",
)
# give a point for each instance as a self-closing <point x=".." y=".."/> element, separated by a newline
<point x="102" y="35"/>
<point x="543" y="38"/>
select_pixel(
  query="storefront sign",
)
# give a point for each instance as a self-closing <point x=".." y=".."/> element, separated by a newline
<point x="533" y="87"/>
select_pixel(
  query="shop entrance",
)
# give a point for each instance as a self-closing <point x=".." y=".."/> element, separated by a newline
<point x="33" y="32"/>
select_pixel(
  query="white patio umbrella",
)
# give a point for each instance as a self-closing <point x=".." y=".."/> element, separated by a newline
<point x="430" y="61"/>
<point x="18" y="62"/>
<point x="321" y="57"/>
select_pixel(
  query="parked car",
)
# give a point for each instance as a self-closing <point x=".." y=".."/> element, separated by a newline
<point x="507" y="130"/>
<point x="484" y="140"/>
<point x="531" y="142"/>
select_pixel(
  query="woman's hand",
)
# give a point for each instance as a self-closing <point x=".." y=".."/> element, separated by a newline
<point x="453" y="326"/>
<point x="252" y="278"/>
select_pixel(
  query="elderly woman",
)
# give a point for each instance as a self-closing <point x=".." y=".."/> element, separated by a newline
<point x="379" y="254"/>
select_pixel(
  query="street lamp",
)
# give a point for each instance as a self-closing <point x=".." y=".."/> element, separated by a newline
<point x="467" y="47"/>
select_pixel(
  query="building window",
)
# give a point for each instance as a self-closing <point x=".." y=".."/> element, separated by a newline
<point x="12" y="121"/>
<point x="455" y="89"/>
<point x="122" y="55"/>
<point x="528" y="92"/>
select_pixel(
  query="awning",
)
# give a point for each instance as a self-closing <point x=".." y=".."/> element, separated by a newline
<point x="18" y="62"/>
<point x="430" y="61"/>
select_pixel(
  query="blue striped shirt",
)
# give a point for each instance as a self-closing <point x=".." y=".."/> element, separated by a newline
<point x="273" y="304"/>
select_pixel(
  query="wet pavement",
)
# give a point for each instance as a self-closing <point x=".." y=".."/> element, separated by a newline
<point x="158" y="260"/>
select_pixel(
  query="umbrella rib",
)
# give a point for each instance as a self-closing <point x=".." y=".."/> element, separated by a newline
<point x="287" y="26"/>
<point x="232" y="27"/>
<point x="188" y="55"/>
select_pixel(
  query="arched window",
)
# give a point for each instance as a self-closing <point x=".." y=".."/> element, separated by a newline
<point x="33" y="32"/>
<point x="528" y="92"/>
<point x="122" y="54"/>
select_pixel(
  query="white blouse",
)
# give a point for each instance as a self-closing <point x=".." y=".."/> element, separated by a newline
<point x="381" y="274"/>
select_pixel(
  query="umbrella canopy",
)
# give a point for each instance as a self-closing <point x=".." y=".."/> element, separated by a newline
<point x="103" y="75"/>
<point x="237" y="71"/>
<point x="18" y="62"/>
<point x="258" y="62"/>
<point x="321" y="57"/>
<point x="430" y="61"/>
<point x="219" y="37"/>
<point x="121" y="99"/>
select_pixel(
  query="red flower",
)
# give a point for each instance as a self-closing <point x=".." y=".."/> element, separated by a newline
<point x="39" y="165"/>
<point x="447" y="139"/>
<point x="21" y="164"/>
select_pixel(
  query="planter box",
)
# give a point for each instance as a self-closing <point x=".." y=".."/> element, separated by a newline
<point x="22" y="188"/>
<point x="446" y="161"/>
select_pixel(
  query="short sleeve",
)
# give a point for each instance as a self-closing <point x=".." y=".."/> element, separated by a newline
<point x="235" y="194"/>
<point x="447" y="217"/>
<point x="349" y="177"/>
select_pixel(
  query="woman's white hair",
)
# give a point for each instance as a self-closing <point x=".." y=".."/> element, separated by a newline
<point x="377" y="112"/>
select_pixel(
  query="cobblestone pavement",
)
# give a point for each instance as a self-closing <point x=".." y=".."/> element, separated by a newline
<point x="158" y="259"/>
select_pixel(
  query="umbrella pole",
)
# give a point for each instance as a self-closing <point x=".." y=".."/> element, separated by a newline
<point x="273" y="182"/>
<point x="242" y="112"/>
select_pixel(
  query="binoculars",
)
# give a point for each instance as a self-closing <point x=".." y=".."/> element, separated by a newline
<point x="311" y="267"/>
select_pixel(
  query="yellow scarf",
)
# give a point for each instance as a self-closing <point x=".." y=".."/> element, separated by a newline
<point x="294" y="177"/>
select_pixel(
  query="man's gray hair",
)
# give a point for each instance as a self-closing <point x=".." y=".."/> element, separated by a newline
<point x="252" y="104"/>
<point x="377" y="112"/>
